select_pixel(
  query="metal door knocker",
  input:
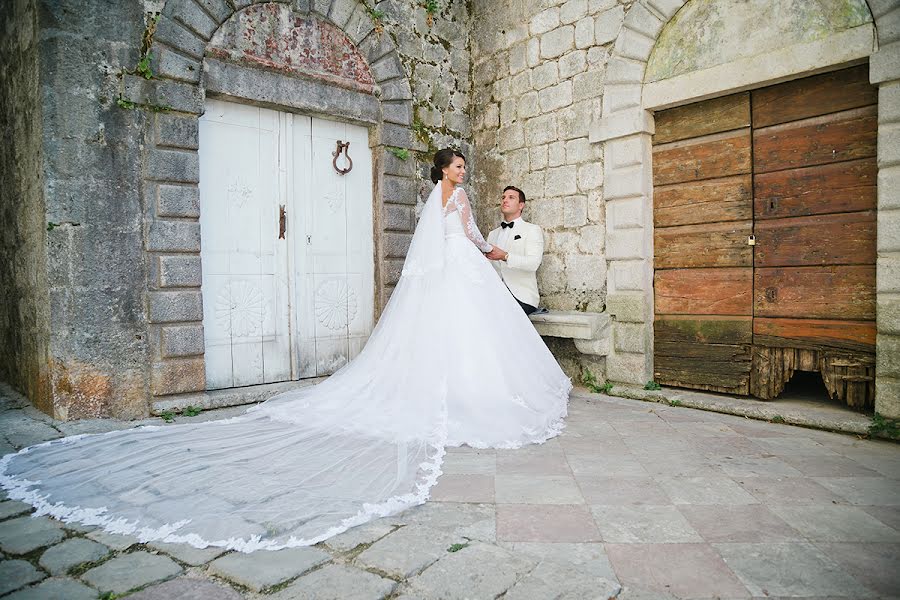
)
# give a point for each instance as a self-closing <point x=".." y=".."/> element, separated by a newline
<point x="345" y="148"/>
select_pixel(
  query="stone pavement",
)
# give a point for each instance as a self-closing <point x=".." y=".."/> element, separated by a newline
<point x="635" y="501"/>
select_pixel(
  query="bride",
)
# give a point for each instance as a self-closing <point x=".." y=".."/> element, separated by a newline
<point x="452" y="361"/>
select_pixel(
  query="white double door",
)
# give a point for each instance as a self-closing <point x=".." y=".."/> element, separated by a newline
<point x="286" y="245"/>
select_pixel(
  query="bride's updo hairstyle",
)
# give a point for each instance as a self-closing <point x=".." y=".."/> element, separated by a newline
<point x="442" y="160"/>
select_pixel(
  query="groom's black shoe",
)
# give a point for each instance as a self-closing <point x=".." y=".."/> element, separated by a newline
<point x="526" y="307"/>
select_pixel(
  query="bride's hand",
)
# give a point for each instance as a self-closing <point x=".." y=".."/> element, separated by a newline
<point x="495" y="253"/>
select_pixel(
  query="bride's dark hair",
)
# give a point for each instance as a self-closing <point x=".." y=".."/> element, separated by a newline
<point x="442" y="159"/>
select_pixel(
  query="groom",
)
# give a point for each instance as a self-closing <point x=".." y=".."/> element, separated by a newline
<point x="518" y="250"/>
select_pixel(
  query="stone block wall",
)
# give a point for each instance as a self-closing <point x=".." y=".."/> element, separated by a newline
<point x="538" y="77"/>
<point x="24" y="309"/>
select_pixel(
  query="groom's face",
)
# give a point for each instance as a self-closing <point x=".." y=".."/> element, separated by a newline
<point x="511" y="204"/>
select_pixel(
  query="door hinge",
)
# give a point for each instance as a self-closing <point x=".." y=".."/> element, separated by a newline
<point x="282" y="222"/>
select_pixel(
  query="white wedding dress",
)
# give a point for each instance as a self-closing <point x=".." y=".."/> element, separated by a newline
<point x="452" y="361"/>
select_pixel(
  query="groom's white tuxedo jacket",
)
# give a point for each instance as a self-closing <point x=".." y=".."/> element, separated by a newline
<point x="525" y="243"/>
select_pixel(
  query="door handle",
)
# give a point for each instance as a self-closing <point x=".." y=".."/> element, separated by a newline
<point x="282" y="222"/>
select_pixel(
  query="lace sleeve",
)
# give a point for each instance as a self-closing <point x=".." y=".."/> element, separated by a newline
<point x="461" y="201"/>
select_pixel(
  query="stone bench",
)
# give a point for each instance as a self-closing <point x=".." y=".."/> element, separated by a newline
<point x="589" y="330"/>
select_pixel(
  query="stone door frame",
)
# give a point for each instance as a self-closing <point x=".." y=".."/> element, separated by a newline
<point x="175" y="96"/>
<point x="624" y="130"/>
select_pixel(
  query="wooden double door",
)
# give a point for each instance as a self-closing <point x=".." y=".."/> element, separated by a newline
<point x="764" y="238"/>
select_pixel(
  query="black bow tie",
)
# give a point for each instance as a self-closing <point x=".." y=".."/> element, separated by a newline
<point x="504" y="224"/>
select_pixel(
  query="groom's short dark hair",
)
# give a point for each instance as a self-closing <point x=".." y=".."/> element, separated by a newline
<point x="515" y="189"/>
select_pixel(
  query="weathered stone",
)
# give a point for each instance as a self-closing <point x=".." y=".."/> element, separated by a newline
<point x="399" y="112"/>
<point x="584" y="33"/>
<point x="398" y="218"/>
<point x="518" y="58"/>
<point x="188" y="554"/>
<point x="172" y="307"/>
<point x="478" y="571"/>
<point x="561" y="181"/>
<point x="534" y="52"/>
<point x="608" y="24"/>
<point x="173" y="34"/>
<point x="115" y="541"/>
<point x="363" y="534"/>
<point x="179" y="271"/>
<point x="556" y="156"/>
<point x="572" y="11"/>
<point x="15" y="574"/>
<point x="59" y="559"/>
<point x="262" y="570"/>
<point x="396" y="244"/>
<point x="554" y="580"/>
<point x="572" y="64"/>
<point x="177" y="200"/>
<point x="545" y="75"/>
<point x="173" y="165"/>
<point x="541" y="130"/>
<point x="193" y="17"/>
<point x="627" y="307"/>
<point x="512" y="136"/>
<point x="130" y="571"/>
<point x="173" y="236"/>
<point x="538" y="157"/>
<point x="557" y="42"/>
<point x="545" y="21"/>
<point x="336" y="582"/>
<point x="175" y="66"/>
<point x="56" y="589"/>
<point x="12" y="508"/>
<point x="177" y="131"/>
<point x="590" y="176"/>
<point x="588" y="85"/>
<point x="182" y="340"/>
<point x="529" y="105"/>
<point x="187" y="589"/>
<point x="177" y="376"/>
<point x="556" y="97"/>
<point x="24" y="534"/>
<point x="407" y="551"/>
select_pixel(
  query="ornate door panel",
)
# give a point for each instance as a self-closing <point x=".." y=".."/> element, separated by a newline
<point x="287" y="249"/>
<point x="246" y="319"/>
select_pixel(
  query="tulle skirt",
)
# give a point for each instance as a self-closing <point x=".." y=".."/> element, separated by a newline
<point x="452" y="361"/>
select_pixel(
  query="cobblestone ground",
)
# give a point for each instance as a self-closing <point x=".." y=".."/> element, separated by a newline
<point x="635" y="501"/>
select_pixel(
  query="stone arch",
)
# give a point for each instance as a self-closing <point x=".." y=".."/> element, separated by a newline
<point x="185" y="66"/>
<point x="625" y="127"/>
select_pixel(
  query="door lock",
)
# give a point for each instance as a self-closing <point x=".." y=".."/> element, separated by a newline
<point x="751" y="240"/>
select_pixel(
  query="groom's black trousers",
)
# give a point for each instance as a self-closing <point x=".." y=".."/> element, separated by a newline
<point x="526" y="307"/>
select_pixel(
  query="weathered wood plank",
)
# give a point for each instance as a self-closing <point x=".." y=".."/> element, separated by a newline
<point x="814" y="334"/>
<point x="710" y="201"/>
<point x="702" y="118"/>
<point x="720" y="155"/>
<point x="707" y="330"/>
<point x="839" y="187"/>
<point x="710" y="245"/>
<point x="834" y="292"/>
<point x="833" y="138"/>
<point x="727" y="291"/>
<point x="839" y="239"/>
<point x="813" y="96"/>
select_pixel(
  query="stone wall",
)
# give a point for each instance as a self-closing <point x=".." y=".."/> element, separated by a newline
<point x="95" y="263"/>
<point x="538" y="80"/>
<point x="24" y="316"/>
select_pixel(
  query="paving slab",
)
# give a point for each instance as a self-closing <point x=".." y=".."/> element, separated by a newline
<point x="537" y="489"/>
<point x="478" y="571"/>
<point x="56" y="588"/>
<point x="13" y="508"/>
<point x="553" y="580"/>
<point x="643" y="524"/>
<point x="551" y="523"/>
<point x="788" y="490"/>
<point x="683" y="570"/>
<point x="188" y="554"/>
<point x="836" y="524"/>
<point x="264" y="569"/>
<point x="589" y="558"/>
<point x="337" y="582"/>
<point x="185" y="588"/>
<point x="130" y="571"/>
<point x="24" y="534"/>
<point x="464" y="488"/>
<point x="59" y="559"/>
<point x="789" y="569"/>
<point x="483" y="462"/>
<point x="705" y="490"/>
<point x="864" y="491"/>
<point x="875" y="565"/>
<point x="116" y="541"/>
<point x="750" y="523"/>
<point x="15" y="574"/>
<point x="357" y="536"/>
<point x="613" y="491"/>
<point x="407" y="551"/>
